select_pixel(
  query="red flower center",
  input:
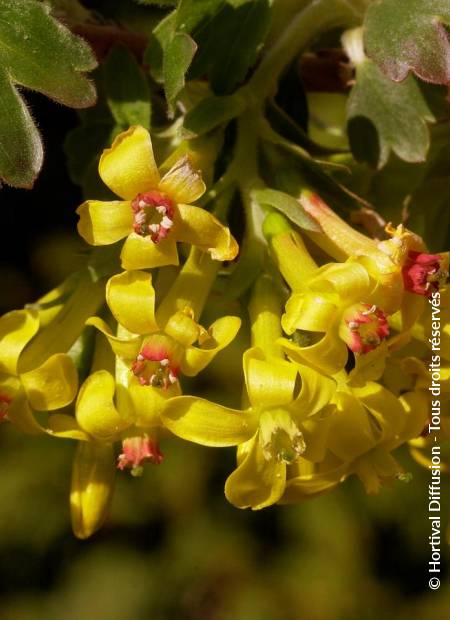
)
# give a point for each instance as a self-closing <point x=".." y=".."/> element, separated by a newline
<point x="152" y="215"/>
<point x="423" y="273"/>
<point x="5" y="401"/>
<point x="155" y="366"/>
<point x="366" y="327"/>
<point x="138" y="450"/>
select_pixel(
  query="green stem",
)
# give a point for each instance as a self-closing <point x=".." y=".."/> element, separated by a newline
<point x="318" y="16"/>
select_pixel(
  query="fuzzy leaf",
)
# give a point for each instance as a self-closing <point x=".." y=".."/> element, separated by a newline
<point x="177" y="58"/>
<point x="384" y="115"/>
<point x="409" y="35"/>
<point x="39" y="53"/>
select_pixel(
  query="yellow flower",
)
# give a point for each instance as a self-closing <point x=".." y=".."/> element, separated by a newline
<point x="25" y="390"/>
<point x="156" y="352"/>
<point x="270" y="434"/>
<point x="335" y="312"/>
<point x="154" y="212"/>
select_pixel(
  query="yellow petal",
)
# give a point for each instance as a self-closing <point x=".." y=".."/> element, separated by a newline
<point x="221" y="333"/>
<point x="314" y="483"/>
<point x="351" y="433"/>
<point x="182" y="183"/>
<point x="92" y="487"/>
<point x="328" y="355"/>
<point x="316" y="392"/>
<point x="207" y="423"/>
<point x="126" y="348"/>
<point x="256" y="482"/>
<point x="21" y="415"/>
<point x="141" y="253"/>
<point x="347" y="280"/>
<point x="310" y="312"/>
<point x="315" y="433"/>
<point x="200" y="228"/>
<point x="128" y="167"/>
<point x="95" y="410"/>
<point x="149" y="402"/>
<point x="369" y="366"/>
<point x="17" y="328"/>
<point x="131" y="298"/>
<point x="385" y="407"/>
<point x="269" y="383"/>
<point x="102" y="223"/>
<point x="52" y="385"/>
<point x="416" y="408"/>
<point x="66" y="427"/>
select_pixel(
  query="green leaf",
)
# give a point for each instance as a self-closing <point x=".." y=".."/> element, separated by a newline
<point x="21" y="151"/>
<point x="126" y="88"/>
<point x="177" y="58"/>
<point x="287" y="205"/>
<point x="384" y="115"/>
<point x="229" y="43"/>
<point x="39" y="53"/>
<point x="212" y="112"/>
<point x="191" y="13"/>
<point x="409" y="35"/>
<point x="159" y="39"/>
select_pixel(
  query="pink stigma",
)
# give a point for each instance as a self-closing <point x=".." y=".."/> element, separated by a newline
<point x="139" y="450"/>
<point x="152" y="215"/>
<point x="5" y="401"/>
<point x="153" y="366"/>
<point x="423" y="273"/>
<point x="366" y="328"/>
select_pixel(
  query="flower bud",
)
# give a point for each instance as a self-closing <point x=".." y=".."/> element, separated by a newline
<point x="92" y="486"/>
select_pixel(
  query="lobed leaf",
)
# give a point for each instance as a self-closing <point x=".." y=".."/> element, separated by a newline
<point x="409" y="35"/>
<point x="287" y="205"/>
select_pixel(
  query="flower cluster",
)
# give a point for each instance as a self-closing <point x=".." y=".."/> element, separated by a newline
<point x="335" y="376"/>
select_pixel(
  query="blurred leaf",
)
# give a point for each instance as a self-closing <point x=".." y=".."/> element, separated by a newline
<point x="157" y="43"/>
<point x="177" y="58"/>
<point x="126" y="88"/>
<point x="229" y="43"/>
<point x="288" y="205"/>
<point x="211" y="112"/>
<point x="191" y="13"/>
<point x="39" y="53"/>
<point x="21" y="151"/>
<point x="158" y="3"/>
<point x="409" y="35"/>
<point x="384" y="115"/>
<point x="430" y="213"/>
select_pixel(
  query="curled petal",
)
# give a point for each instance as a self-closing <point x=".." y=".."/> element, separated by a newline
<point x="126" y="348"/>
<point x="141" y="253"/>
<point x="131" y="298"/>
<point x="313" y="482"/>
<point x="370" y="366"/>
<point x="316" y="392"/>
<point x="347" y="280"/>
<point x="257" y="482"/>
<point x="52" y="385"/>
<point x="102" y="223"/>
<point x="66" y="427"/>
<point x="269" y="383"/>
<point x="207" y="423"/>
<point x="93" y="475"/>
<point x="221" y="333"/>
<point x="17" y="328"/>
<point x="328" y="355"/>
<point x="128" y="167"/>
<point x="95" y="410"/>
<point x="310" y="312"/>
<point x="200" y="228"/>
<point x="352" y="432"/>
<point x="182" y="183"/>
<point x="384" y="407"/>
